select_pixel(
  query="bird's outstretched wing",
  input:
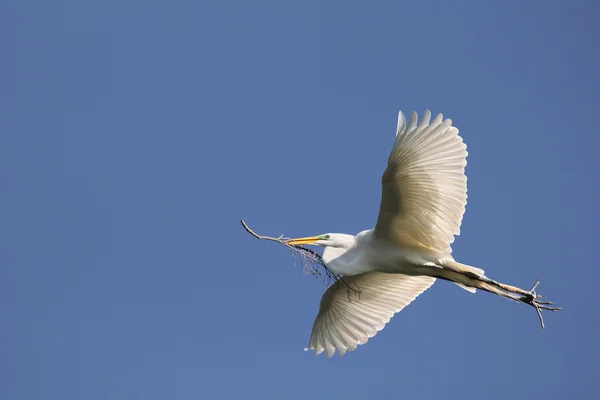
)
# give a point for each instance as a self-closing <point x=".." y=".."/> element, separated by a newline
<point x="424" y="187"/>
<point x="355" y="309"/>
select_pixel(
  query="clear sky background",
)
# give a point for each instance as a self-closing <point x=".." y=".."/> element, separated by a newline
<point x="134" y="135"/>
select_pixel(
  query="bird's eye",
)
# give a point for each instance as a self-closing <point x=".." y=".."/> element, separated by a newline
<point x="325" y="236"/>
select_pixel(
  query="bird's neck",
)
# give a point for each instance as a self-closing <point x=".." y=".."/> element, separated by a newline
<point x="344" y="260"/>
<point x="331" y="254"/>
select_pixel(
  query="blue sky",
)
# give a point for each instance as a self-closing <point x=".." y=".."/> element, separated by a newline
<point x="136" y="135"/>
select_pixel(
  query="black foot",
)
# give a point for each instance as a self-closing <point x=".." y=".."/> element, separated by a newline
<point x="534" y="300"/>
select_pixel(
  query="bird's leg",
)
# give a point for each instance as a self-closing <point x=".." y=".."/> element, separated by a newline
<point x="514" y="289"/>
<point x="529" y="297"/>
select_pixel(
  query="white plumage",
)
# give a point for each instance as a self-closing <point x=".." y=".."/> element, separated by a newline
<point x="347" y="318"/>
<point x="424" y="188"/>
<point x="424" y="193"/>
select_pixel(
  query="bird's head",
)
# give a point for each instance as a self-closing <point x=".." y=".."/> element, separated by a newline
<point x="339" y="240"/>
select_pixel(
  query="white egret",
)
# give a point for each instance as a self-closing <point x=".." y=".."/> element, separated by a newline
<point x="424" y="193"/>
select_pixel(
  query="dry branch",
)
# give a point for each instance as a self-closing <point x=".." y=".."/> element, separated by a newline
<point x="311" y="261"/>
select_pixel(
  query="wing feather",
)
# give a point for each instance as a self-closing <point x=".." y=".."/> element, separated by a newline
<point x="347" y="319"/>
<point x="424" y="187"/>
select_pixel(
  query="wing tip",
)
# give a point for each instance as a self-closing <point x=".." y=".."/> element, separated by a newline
<point x="401" y="123"/>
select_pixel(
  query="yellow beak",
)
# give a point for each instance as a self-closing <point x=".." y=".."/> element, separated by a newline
<point x="304" y="240"/>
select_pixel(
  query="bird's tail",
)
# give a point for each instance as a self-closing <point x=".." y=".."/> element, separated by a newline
<point x="467" y="270"/>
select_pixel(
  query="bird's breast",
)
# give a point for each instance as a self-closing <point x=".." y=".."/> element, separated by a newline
<point x="386" y="256"/>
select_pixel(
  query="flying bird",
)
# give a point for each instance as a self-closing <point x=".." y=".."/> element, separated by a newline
<point x="424" y="194"/>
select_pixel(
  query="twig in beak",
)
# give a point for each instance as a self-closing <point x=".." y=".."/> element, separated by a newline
<point x="311" y="260"/>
